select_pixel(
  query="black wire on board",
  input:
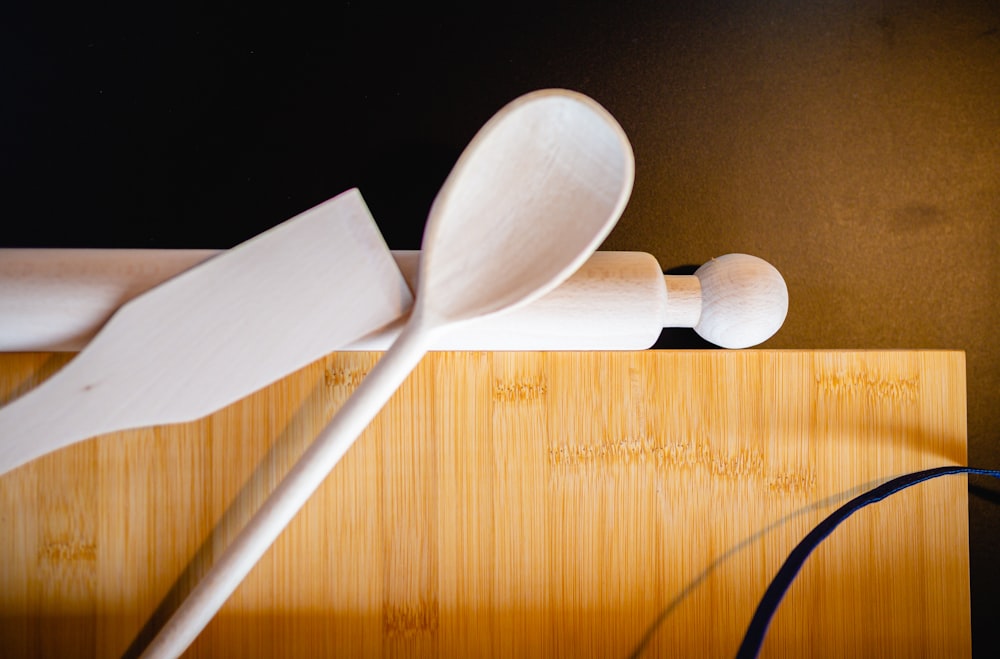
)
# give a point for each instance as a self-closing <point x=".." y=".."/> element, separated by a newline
<point x="754" y="638"/>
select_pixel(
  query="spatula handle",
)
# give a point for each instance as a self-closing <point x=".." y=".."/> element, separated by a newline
<point x="291" y="494"/>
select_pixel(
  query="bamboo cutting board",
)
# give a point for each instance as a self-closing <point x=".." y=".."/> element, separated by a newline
<point x="516" y="504"/>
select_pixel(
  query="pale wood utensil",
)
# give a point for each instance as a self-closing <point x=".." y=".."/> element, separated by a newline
<point x="53" y="300"/>
<point x="531" y="197"/>
<point x="622" y="301"/>
<point x="218" y="332"/>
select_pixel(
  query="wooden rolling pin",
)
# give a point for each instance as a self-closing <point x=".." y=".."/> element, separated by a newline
<point x="57" y="300"/>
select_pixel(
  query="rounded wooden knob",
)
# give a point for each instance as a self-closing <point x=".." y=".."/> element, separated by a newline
<point x="744" y="301"/>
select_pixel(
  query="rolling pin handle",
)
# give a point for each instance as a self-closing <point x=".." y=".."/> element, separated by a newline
<point x="743" y="301"/>
<point x="683" y="300"/>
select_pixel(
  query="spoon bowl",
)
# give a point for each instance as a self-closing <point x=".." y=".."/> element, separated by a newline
<point x="534" y="194"/>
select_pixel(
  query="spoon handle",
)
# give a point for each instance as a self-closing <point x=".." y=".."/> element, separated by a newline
<point x="209" y="595"/>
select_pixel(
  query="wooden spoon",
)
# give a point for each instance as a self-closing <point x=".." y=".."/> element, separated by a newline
<point x="533" y="195"/>
<point x="218" y="332"/>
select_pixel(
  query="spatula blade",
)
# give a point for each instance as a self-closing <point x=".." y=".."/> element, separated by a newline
<point x="218" y="331"/>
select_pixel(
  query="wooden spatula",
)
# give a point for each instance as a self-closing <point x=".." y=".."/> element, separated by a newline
<point x="218" y="332"/>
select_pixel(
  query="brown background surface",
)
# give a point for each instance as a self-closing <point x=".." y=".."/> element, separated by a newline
<point x="855" y="145"/>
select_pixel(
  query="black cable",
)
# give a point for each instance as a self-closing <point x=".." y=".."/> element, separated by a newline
<point x="750" y="647"/>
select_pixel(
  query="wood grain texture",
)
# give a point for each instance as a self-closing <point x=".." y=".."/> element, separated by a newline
<point x="516" y="504"/>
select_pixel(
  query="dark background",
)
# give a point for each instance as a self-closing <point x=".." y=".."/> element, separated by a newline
<point x="854" y="145"/>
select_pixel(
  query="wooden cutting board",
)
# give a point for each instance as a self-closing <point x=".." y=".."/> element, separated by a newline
<point x="517" y="504"/>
